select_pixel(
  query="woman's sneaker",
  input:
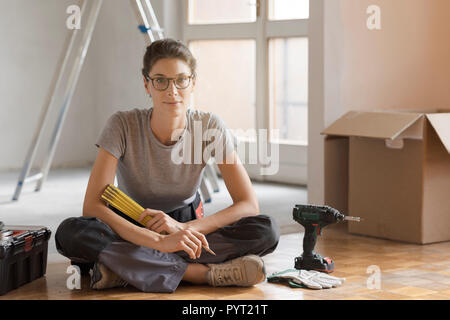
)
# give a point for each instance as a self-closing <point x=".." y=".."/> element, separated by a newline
<point x="244" y="272"/>
<point x="103" y="278"/>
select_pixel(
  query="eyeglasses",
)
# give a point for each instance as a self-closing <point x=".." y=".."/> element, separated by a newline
<point x="162" y="83"/>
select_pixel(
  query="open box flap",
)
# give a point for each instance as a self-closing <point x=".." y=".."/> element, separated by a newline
<point x="371" y="124"/>
<point x="441" y="124"/>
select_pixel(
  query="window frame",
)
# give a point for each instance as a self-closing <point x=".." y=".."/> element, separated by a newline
<point x="292" y="154"/>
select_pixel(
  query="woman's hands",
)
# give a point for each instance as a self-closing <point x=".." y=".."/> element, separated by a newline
<point x="174" y="235"/>
<point x="161" y="221"/>
<point x="190" y="241"/>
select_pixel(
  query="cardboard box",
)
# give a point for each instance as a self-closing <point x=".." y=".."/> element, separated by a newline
<point x="392" y="169"/>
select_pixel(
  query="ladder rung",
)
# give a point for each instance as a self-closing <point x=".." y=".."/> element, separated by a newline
<point x="34" y="178"/>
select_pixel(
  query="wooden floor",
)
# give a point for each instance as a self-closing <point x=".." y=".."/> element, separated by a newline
<point x="407" y="272"/>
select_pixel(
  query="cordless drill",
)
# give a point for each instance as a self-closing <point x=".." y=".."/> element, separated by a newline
<point x="314" y="218"/>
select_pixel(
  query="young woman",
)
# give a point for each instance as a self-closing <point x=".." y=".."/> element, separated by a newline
<point x="141" y="147"/>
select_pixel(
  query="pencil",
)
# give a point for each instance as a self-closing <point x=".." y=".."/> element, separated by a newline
<point x="209" y="250"/>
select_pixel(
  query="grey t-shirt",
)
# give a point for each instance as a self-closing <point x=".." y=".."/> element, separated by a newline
<point x="158" y="176"/>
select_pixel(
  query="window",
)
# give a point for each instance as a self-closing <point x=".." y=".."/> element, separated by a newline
<point x="288" y="9"/>
<point x="228" y="11"/>
<point x="228" y="88"/>
<point x="288" y="76"/>
<point x="252" y="70"/>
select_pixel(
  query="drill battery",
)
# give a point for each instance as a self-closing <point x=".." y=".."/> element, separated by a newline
<point x="23" y="255"/>
<point x="316" y="262"/>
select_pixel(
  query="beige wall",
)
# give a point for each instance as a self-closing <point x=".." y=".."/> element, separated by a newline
<point x="405" y="65"/>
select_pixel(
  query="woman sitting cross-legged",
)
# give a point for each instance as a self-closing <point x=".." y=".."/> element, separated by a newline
<point x="141" y="147"/>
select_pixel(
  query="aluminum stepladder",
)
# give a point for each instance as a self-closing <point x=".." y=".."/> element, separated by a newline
<point x="148" y="24"/>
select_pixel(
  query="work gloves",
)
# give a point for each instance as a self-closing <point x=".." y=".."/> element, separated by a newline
<point x="306" y="279"/>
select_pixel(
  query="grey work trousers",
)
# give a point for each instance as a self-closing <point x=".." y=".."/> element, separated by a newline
<point x="88" y="240"/>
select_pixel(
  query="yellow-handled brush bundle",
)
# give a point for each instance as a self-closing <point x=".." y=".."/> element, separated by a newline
<point x="119" y="200"/>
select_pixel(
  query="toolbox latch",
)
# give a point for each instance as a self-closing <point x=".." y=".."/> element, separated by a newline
<point x="28" y="243"/>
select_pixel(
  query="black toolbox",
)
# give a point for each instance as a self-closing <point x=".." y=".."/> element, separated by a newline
<point x="23" y="255"/>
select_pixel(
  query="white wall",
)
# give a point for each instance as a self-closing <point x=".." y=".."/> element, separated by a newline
<point x="315" y="175"/>
<point x="327" y="40"/>
<point x="32" y="35"/>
